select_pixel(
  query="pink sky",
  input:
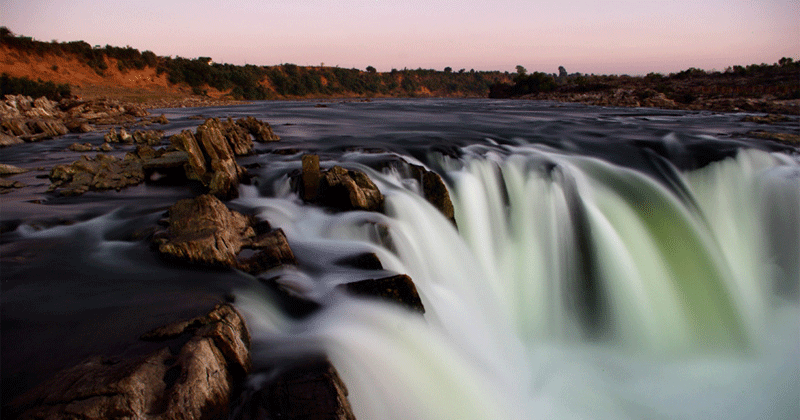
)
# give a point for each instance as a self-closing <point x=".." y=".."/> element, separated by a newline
<point x="588" y="36"/>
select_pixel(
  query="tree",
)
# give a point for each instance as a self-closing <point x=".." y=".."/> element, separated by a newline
<point x="371" y="69"/>
<point x="521" y="70"/>
<point x="448" y="69"/>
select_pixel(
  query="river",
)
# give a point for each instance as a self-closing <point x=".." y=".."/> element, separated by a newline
<point x="607" y="262"/>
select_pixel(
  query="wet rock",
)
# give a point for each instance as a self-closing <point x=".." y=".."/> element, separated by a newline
<point x="105" y="147"/>
<point x="311" y="176"/>
<point x="7" y="140"/>
<point x="11" y="170"/>
<point x="399" y="289"/>
<point x="204" y="231"/>
<point x="365" y="261"/>
<point x="238" y="137"/>
<point x="78" y="126"/>
<point x="161" y="119"/>
<point x="261" y="131"/>
<point x="788" y="138"/>
<point x="271" y="250"/>
<point x="311" y="389"/>
<point x="225" y="172"/>
<point x="196" y="380"/>
<point x="102" y="172"/>
<point x="77" y="147"/>
<point x="766" y="119"/>
<point x="150" y="137"/>
<point x="7" y="185"/>
<point x="345" y="189"/>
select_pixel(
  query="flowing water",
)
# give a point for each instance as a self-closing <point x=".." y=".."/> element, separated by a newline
<point x="607" y="263"/>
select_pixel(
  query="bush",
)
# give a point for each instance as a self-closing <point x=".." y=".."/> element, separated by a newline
<point x="35" y="89"/>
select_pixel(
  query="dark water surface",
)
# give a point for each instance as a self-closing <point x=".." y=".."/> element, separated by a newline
<point x="78" y="276"/>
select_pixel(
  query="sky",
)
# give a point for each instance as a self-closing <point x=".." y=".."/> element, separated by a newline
<point x="587" y="36"/>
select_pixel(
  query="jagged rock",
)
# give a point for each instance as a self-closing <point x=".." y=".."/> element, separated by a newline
<point x="349" y="190"/>
<point x="311" y="389"/>
<point x="105" y="147"/>
<point x="124" y="136"/>
<point x="100" y="173"/>
<point x="196" y="166"/>
<point x="261" y="131"/>
<point x="7" y="185"/>
<point x="194" y="381"/>
<point x="11" y="170"/>
<point x="7" y="140"/>
<point x="436" y="193"/>
<point x="766" y="119"/>
<point x="225" y="172"/>
<point x="77" y="147"/>
<point x="399" y="289"/>
<point x="311" y="176"/>
<point x="150" y="137"/>
<point x="366" y="261"/>
<point x="161" y="119"/>
<point x="238" y="137"/>
<point x="204" y="231"/>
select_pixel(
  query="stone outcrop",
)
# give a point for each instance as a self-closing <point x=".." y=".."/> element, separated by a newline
<point x="204" y="231"/>
<point x="212" y="153"/>
<point x="261" y="131"/>
<point x="28" y="119"/>
<point x="308" y="390"/>
<point x="193" y="377"/>
<point x="103" y="172"/>
<point x="338" y="188"/>
<point x="434" y="190"/>
<point x="398" y="288"/>
<point x="149" y="137"/>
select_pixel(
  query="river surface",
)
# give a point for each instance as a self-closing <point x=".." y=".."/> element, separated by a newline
<point x="608" y="262"/>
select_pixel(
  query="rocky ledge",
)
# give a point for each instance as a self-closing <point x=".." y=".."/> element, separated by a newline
<point x="24" y="119"/>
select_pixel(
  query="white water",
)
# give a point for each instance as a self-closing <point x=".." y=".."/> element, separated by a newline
<point x="693" y="318"/>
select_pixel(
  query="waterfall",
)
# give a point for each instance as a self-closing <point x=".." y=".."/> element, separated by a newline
<point x="572" y="288"/>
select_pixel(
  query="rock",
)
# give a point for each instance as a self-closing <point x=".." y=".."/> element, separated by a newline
<point x="311" y="389"/>
<point x="225" y="172"/>
<point x="399" y="289"/>
<point x="106" y="147"/>
<point x="196" y="166"/>
<point x="150" y="137"/>
<point x="311" y="176"/>
<point x="349" y="190"/>
<point x="167" y="160"/>
<point x="6" y="185"/>
<point x="77" y="147"/>
<point x="365" y="261"/>
<point x="238" y="137"/>
<point x="203" y="231"/>
<point x="7" y="140"/>
<point x="766" y="119"/>
<point x="787" y="138"/>
<point x="272" y="250"/>
<point x="78" y="126"/>
<point x="195" y="381"/>
<point x="261" y="131"/>
<point x="102" y="172"/>
<point x="161" y="119"/>
<point x="11" y="170"/>
<point x="124" y="137"/>
<point x="437" y="194"/>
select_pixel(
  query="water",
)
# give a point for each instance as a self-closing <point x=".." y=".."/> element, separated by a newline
<point x="608" y="263"/>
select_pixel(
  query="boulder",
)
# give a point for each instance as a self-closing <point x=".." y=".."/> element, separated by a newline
<point x="103" y="172"/>
<point x="196" y="165"/>
<point x="204" y="231"/>
<point x="238" y="137"/>
<point x="310" y="389"/>
<point x="8" y="140"/>
<point x="77" y="147"/>
<point x="11" y="170"/>
<point x="261" y="131"/>
<point x="345" y="189"/>
<point x="399" y="289"/>
<point x="150" y="137"/>
<point x="191" y="378"/>
<point x="225" y="172"/>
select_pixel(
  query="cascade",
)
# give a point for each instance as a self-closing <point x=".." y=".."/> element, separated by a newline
<point x="572" y="287"/>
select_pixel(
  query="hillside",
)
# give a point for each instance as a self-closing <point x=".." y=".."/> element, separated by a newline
<point x="128" y="74"/>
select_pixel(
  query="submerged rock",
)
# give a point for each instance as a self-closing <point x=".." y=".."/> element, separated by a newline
<point x="399" y="289"/>
<point x="311" y="389"/>
<point x="193" y="378"/>
<point x="261" y="131"/>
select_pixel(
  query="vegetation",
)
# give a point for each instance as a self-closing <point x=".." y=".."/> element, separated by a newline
<point x="267" y="82"/>
<point x="779" y="80"/>
<point x="24" y="86"/>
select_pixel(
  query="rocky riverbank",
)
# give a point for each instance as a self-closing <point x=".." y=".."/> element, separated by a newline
<point x="201" y="366"/>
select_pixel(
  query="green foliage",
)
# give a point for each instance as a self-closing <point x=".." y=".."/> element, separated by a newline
<point x="35" y="89"/>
